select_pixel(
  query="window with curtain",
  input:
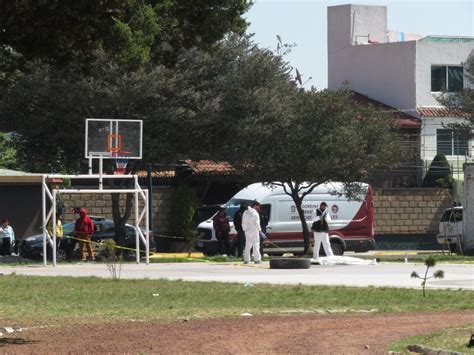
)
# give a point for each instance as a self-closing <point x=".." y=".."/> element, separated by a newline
<point x="447" y="78"/>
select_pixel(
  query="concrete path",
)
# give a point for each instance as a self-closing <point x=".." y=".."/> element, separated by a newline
<point x="384" y="274"/>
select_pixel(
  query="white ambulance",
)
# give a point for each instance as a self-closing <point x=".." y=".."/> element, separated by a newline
<point x="351" y="229"/>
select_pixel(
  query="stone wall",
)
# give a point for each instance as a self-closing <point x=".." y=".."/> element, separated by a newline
<point x="101" y="205"/>
<point x="409" y="211"/>
<point x="468" y="214"/>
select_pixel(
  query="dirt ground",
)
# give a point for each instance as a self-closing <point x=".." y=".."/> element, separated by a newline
<point x="316" y="334"/>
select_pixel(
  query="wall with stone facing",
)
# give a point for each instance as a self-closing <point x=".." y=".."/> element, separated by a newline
<point x="101" y="205"/>
<point x="468" y="215"/>
<point x="409" y="211"/>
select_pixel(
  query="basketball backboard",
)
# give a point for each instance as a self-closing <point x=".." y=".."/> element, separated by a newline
<point x="109" y="138"/>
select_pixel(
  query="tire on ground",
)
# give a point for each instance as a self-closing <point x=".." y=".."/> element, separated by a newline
<point x="301" y="263"/>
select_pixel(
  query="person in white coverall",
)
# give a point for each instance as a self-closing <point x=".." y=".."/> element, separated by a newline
<point x="251" y="227"/>
<point x="320" y="230"/>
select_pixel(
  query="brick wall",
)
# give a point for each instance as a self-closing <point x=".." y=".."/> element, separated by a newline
<point x="409" y="211"/>
<point x="101" y="205"/>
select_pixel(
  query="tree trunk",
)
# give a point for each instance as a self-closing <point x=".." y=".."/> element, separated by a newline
<point x="298" y="200"/>
<point x="119" y="220"/>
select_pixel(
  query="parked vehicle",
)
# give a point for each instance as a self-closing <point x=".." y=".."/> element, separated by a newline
<point x="351" y="229"/>
<point x="450" y="228"/>
<point x="32" y="247"/>
<point x="205" y="212"/>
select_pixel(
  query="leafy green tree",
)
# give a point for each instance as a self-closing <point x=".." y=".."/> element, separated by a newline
<point x="8" y="152"/>
<point x="439" y="173"/>
<point x="302" y="139"/>
<point x="132" y="32"/>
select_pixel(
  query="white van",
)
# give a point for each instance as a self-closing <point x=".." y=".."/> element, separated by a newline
<point x="351" y="229"/>
<point x="450" y="227"/>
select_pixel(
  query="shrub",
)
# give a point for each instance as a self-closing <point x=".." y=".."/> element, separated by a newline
<point x="439" y="173"/>
<point x="183" y="208"/>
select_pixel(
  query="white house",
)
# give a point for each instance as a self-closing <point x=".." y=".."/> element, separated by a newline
<point x="401" y="70"/>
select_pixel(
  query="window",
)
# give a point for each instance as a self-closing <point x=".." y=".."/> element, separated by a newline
<point x="266" y="209"/>
<point x="451" y="143"/>
<point x="447" y="78"/>
<point x="452" y="216"/>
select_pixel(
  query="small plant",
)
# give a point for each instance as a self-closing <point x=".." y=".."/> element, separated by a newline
<point x="429" y="262"/>
<point x="112" y="259"/>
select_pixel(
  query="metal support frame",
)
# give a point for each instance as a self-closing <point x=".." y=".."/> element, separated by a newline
<point x="51" y="195"/>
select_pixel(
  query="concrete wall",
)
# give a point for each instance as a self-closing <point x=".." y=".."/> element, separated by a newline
<point x="468" y="213"/>
<point x="435" y="53"/>
<point x="397" y="74"/>
<point x="384" y="72"/>
<point x="409" y="211"/>
<point x="101" y="205"/>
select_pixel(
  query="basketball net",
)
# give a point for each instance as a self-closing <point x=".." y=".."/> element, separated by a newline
<point x="121" y="160"/>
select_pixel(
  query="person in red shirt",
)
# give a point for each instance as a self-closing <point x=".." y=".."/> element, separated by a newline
<point x="222" y="228"/>
<point x="83" y="230"/>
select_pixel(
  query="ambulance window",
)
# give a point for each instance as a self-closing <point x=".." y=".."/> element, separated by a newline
<point x="266" y="209"/>
<point x="445" y="217"/>
<point x="456" y="216"/>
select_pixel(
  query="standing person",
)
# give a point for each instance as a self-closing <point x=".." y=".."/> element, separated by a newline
<point x="8" y="237"/>
<point x="59" y="230"/>
<point x="252" y="229"/>
<point x="263" y="228"/>
<point x="222" y="228"/>
<point x="83" y="230"/>
<point x="320" y="230"/>
<point x="238" y="227"/>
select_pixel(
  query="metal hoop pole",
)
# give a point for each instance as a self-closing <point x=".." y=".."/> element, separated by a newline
<point x="54" y="227"/>
<point x="43" y="197"/>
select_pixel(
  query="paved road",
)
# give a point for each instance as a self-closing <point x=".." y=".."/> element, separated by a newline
<point x="389" y="274"/>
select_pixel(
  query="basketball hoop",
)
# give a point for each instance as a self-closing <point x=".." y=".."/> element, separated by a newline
<point x="121" y="160"/>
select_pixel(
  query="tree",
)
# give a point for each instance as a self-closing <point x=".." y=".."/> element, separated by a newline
<point x="463" y="101"/>
<point x="190" y="110"/>
<point x="8" y="151"/>
<point x="439" y="173"/>
<point x="429" y="262"/>
<point x="132" y="32"/>
<point x="183" y="208"/>
<point x="301" y="139"/>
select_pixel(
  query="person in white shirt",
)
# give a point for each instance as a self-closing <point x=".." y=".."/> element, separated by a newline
<point x="320" y="230"/>
<point x="251" y="227"/>
<point x="8" y="237"/>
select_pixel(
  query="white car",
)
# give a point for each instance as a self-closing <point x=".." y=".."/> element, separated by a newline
<point x="450" y="227"/>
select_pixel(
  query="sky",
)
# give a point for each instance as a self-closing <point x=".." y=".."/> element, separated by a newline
<point x="304" y="22"/>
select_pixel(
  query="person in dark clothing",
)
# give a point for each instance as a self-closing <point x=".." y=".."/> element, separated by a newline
<point x="239" y="229"/>
<point x="222" y="228"/>
<point x="263" y="226"/>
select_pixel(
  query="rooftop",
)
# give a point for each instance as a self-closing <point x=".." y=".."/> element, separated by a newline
<point x="440" y="111"/>
<point x="402" y="119"/>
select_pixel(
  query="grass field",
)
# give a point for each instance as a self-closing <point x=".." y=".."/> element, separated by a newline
<point x="34" y="299"/>
<point x="455" y="339"/>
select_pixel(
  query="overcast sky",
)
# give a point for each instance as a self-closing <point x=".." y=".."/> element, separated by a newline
<point x="304" y="22"/>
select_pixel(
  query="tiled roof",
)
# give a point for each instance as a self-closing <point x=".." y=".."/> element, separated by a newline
<point x="402" y="119"/>
<point x="157" y="174"/>
<point x="209" y="167"/>
<point x="439" y="111"/>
